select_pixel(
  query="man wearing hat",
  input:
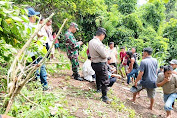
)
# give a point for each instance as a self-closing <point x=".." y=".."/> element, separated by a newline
<point x="174" y="65"/>
<point x="43" y="73"/>
<point x="31" y="14"/>
<point x="72" y="46"/>
<point x="99" y="54"/>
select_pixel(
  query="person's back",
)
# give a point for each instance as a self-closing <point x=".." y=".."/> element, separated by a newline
<point x="97" y="51"/>
<point x="99" y="55"/>
<point x="113" y="53"/>
<point x="87" y="71"/>
<point x="149" y="77"/>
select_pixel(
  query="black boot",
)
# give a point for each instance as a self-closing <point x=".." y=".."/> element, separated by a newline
<point x="106" y="99"/>
<point x="77" y="77"/>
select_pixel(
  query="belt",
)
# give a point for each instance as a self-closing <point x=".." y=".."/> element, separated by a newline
<point x="99" y="63"/>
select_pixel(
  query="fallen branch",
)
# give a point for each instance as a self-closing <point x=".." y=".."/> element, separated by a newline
<point x="13" y="66"/>
<point x="17" y="83"/>
<point x="59" y="32"/>
<point x="28" y="99"/>
<point x="12" y="73"/>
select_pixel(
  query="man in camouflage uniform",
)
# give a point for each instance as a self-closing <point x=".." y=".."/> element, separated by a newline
<point x="72" y="47"/>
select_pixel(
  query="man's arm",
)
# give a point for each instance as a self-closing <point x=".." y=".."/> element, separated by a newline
<point x="102" y="51"/>
<point x="131" y="64"/>
<point x="139" y="77"/>
<point x="123" y="60"/>
<point x="160" y="84"/>
<point x="73" y="43"/>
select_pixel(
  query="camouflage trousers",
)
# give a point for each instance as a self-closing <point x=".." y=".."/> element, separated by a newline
<point x="75" y="63"/>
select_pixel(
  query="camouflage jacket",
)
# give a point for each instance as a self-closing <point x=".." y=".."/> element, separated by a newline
<point x="71" y="44"/>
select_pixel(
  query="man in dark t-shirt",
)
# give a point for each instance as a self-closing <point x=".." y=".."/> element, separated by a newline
<point x="147" y="75"/>
<point x="133" y="66"/>
<point x="134" y="54"/>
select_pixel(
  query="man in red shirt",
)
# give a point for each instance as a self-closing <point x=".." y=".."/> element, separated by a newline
<point x="123" y="61"/>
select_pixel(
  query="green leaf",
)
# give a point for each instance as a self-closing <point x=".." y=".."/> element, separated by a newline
<point x="16" y="18"/>
<point x="1" y="29"/>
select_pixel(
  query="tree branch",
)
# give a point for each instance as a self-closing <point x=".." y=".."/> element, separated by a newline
<point x="28" y="99"/>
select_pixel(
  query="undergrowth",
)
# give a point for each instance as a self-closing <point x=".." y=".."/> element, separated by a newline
<point x="48" y="102"/>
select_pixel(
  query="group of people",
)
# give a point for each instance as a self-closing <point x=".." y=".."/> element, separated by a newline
<point x="145" y="76"/>
<point x="101" y="65"/>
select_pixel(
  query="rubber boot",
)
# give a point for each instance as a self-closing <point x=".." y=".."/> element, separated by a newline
<point x="77" y="77"/>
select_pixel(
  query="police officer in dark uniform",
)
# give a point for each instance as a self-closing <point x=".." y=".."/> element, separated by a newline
<point x="98" y="53"/>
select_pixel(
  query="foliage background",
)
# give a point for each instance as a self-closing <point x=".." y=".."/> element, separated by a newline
<point x="152" y="24"/>
<point x="127" y="23"/>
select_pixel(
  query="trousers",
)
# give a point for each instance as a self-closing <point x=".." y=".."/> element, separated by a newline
<point x="102" y="80"/>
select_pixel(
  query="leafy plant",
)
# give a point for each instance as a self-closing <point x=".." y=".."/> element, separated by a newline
<point x="12" y="30"/>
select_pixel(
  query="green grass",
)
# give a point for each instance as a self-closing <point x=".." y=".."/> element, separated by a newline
<point x="45" y="100"/>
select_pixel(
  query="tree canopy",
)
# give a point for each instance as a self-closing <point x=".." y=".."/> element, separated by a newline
<point x="126" y="23"/>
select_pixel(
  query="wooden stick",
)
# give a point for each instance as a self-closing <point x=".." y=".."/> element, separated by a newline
<point x="28" y="99"/>
<point x="43" y="59"/>
<point x="13" y="66"/>
<point x="19" y="86"/>
<point x="13" y="73"/>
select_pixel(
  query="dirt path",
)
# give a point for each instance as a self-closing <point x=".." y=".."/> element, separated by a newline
<point x="84" y="102"/>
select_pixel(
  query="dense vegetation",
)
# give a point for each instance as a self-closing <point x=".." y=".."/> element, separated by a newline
<point x="152" y="24"/>
<point x="127" y="23"/>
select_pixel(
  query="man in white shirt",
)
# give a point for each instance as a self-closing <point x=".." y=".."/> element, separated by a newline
<point x="48" y="28"/>
<point x="113" y="54"/>
<point x="88" y="72"/>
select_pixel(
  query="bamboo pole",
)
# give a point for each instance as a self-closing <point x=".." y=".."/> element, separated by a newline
<point x="28" y="99"/>
<point x="18" y="86"/>
<point x="14" y="64"/>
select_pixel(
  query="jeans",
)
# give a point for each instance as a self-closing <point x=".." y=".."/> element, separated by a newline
<point x="169" y="99"/>
<point x="112" y="81"/>
<point x="134" y="71"/>
<point x="42" y="74"/>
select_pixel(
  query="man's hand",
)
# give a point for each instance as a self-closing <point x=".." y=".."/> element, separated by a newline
<point x="80" y="42"/>
<point x="166" y="79"/>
